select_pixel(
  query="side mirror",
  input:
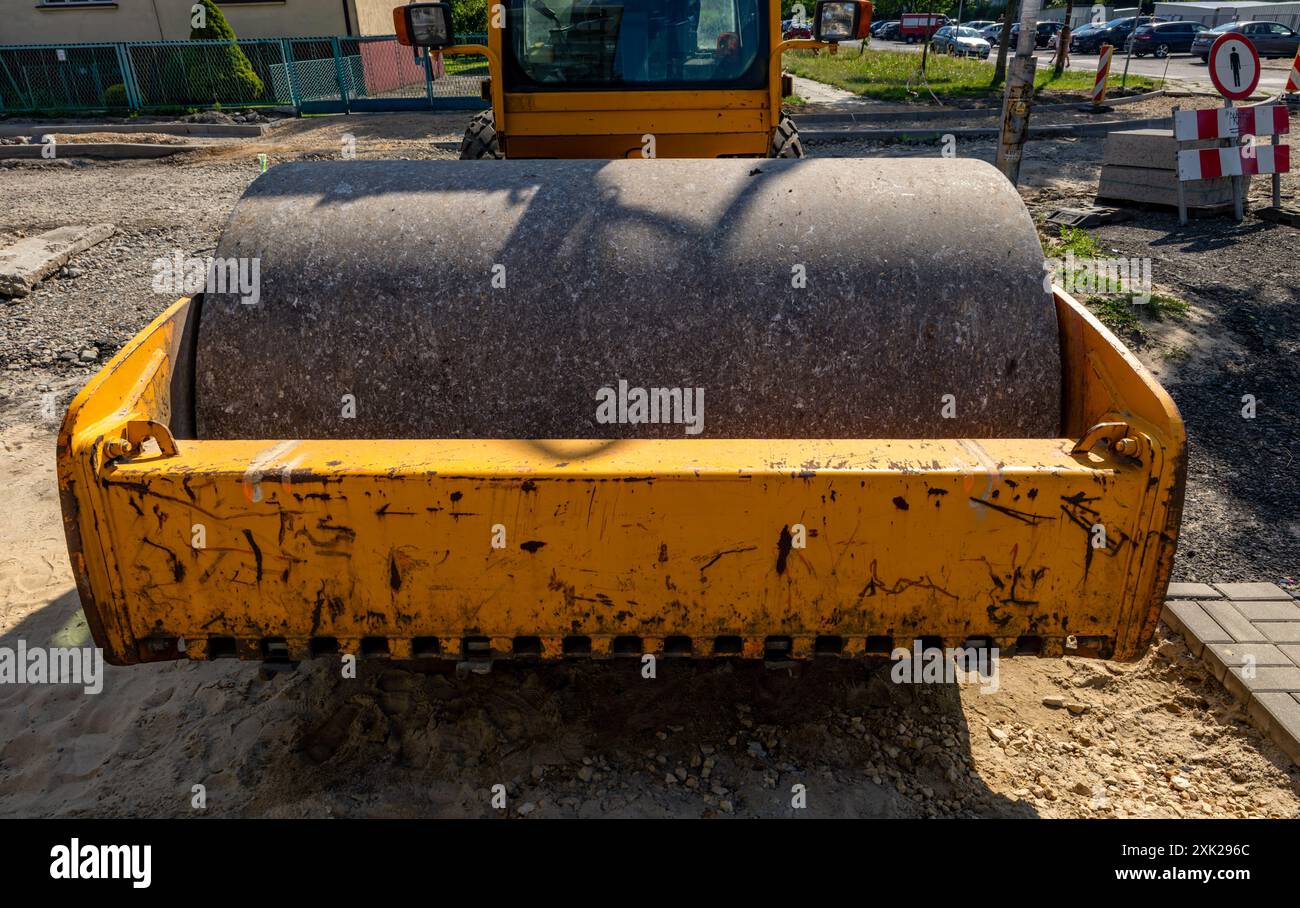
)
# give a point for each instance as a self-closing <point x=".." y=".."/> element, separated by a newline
<point x="842" y="20"/>
<point x="423" y="25"/>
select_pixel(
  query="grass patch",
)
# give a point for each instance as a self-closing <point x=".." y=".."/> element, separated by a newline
<point x="883" y="75"/>
<point x="1076" y="240"/>
<point x="1124" y="316"/>
<point x="1120" y="309"/>
<point x="465" y="65"/>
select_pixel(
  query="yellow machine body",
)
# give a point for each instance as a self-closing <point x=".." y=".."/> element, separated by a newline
<point x="614" y="123"/>
<point x="490" y="547"/>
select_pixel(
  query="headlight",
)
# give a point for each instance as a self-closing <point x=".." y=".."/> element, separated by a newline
<point x="837" y="21"/>
<point x="429" y="26"/>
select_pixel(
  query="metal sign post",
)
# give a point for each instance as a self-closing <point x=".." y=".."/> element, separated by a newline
<point x="1182" y="193"/>
<point x="1128" y="44"/>
<point x="1238" y="182"/>
<point x="1234" y="70"/>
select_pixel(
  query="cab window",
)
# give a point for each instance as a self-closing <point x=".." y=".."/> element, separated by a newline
<point x="635" y="44"/>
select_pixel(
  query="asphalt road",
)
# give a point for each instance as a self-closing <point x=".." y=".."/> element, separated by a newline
<point x="1180" y="67"/>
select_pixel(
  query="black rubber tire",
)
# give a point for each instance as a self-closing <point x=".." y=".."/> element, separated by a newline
<point x="480" y="142"/>
<point x="1161" y="51"/>
<point x="785" y="141"/>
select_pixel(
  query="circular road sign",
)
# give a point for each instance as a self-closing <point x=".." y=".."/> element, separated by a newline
<point x="1234" y="66"/>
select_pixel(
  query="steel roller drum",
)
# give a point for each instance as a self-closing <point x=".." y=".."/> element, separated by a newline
<point x="814" y="298"/>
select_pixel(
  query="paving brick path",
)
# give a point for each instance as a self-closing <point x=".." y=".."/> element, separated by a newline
<point x="1249" y="636"/>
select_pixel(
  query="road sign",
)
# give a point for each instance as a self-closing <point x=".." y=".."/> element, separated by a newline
<point x="1234" y="66"/>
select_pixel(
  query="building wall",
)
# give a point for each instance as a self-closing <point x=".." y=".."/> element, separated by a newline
<point x="1242" y="11"/>
<point x="49" y="22"/>
<point x="1214" y="13"/>
<point x="374" y="17"/>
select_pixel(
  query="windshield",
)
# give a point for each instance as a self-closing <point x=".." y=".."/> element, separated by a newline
<point x="636" y="43"/>
<point x="1230" y="27"/>
<point x="967" y="33"/>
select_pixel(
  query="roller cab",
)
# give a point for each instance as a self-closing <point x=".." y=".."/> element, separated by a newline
<point x="633" y="78"/>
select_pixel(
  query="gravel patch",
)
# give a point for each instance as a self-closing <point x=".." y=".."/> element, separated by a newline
<point x="1071" y="738"/>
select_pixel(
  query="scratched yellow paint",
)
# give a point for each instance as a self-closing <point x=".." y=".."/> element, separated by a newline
<point x="651" y="539"/>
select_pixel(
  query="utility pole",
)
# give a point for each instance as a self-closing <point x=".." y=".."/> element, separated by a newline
<point x="1019" y="95"/>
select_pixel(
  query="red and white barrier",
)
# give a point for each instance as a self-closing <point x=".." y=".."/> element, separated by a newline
<point x="1211" y="163"/>
<point x="1103" y="70"/>
<point x="1231" y="122"/>
<point x="1293" y="83"/>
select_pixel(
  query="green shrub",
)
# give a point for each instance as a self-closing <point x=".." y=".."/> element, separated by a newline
<point x="115" y="98"/>
<point x="224" y="73"/>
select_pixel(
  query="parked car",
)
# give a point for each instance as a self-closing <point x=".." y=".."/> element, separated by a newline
<point x="1055" y="41"/>
<point x="1115" y="33"/>
<point x="1045" y="32"/>
<point x="1164" y="38"/>
<point x="1271" y="39"/>
<point x="992" y="33"/>
<point x="878" y="27"/>
<point x="890" y="32"/>
<point x="961" y="42"/>
<point x="920" y="26"/>
<point x="979" y="24"/>
<point x="796" y="31"/>
<point x="1078" y="29"/>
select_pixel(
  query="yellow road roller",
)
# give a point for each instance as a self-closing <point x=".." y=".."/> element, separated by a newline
<point x="578" y="403"/>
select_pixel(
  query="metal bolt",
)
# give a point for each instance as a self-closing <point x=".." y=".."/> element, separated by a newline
<point x="1127" y="446"/>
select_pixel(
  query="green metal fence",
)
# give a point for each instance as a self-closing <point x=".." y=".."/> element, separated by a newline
<point x="313" y="75"/>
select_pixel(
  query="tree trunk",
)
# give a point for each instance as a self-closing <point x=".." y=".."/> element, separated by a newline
<point x="1063" y="38"/>
<point x="1000" y="72"/>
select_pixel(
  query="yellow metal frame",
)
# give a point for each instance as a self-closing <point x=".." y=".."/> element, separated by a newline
<point x="653" y="545"/>
<point x="611" y="124"/>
